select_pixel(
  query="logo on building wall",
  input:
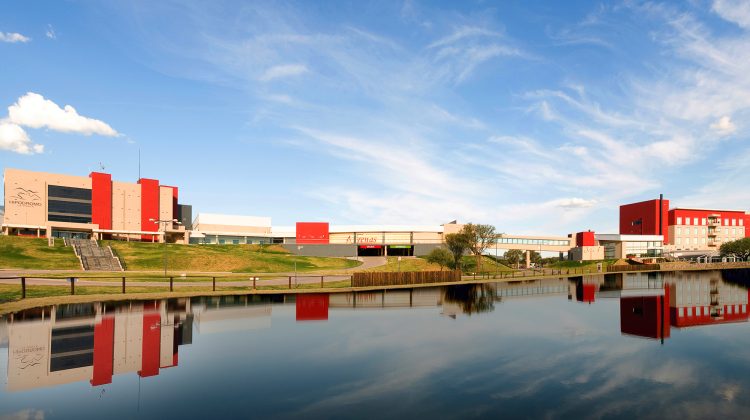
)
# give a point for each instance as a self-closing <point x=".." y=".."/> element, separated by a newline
<point x="29" y="356"/>
<point x="25" y="198"/>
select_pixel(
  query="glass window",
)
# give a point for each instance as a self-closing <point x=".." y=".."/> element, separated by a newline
<point x="695" y="231"/>
<point x="695" y="220"/>
<point x="679" y="230"/>
<point x="679" y="220"/>
<point x="734" y="222"/>
<point x="679" y="241"/>
<point x="703" y="221"/>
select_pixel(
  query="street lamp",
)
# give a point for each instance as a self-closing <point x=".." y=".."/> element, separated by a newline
<point x="165" y="221"/>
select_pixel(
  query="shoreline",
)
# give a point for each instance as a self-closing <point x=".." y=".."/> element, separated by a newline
<point x="29" y="303"/>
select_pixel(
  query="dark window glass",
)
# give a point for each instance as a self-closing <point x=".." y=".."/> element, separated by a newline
<point x="71" y="362"/>
<point x="68" y="192"/>
<point x="55" y="206"/>
<point x="69" y="219"/>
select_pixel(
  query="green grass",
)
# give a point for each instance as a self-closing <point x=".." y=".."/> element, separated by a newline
<point x="221" y="258"/>
<point x="489" y="265"/>
<point x="33" y="253"/>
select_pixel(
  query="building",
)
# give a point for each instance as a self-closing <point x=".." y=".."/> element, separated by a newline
<point x="42" y="204"/>
<point x="700" y="229"/>
<point x="210" y="228"/>
<point x="593" y="246"/>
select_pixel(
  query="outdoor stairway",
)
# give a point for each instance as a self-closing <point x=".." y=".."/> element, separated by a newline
<point x="93" y="257"/>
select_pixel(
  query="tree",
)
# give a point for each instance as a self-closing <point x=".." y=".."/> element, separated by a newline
<point x="480" y="237"/>
<point x="535" y="257"/>
<point x="739" y="248"/>
<point x="457" y="244"/>
<point x="514" y="256"/>
<point x="440" y="256"/>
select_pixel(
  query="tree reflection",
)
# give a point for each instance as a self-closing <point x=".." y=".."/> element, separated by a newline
<point x="471" y="298"/>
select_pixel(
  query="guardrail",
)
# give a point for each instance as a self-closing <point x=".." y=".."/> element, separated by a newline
<point x="184" y="282"/>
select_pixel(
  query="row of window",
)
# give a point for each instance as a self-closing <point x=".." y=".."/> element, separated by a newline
<point x="733" y="231"/>
<point x="58" y="191"/>
<point x="734" y="222"/>
<point x="522" y="241"/>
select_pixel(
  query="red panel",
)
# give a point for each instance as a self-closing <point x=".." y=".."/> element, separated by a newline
<point x="585" y="292"/>
<point x="101" y="199"/>
<point x="104" y="347"/>
<point x="643" y="218"/>
<point x="585" y="239"/>
<point x="312" y="233"/>
<point x="149" y="206"/>
<point x="747" y="225"/>
<point x="151" y="342"/>
<point x="312" y="307"/>
<point x="645" y="316"/>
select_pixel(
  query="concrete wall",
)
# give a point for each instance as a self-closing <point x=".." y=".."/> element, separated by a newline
<point x="329" y="250"/>
<point x="424" y="249"/>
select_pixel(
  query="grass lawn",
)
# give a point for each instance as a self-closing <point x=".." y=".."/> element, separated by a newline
<point x="33" y="253"/>
<point x="221" y="258"/>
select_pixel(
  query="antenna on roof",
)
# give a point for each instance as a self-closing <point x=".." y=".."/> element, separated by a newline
<point x="101" y="167"/>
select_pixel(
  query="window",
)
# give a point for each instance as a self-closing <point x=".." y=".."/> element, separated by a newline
<point x="703" y="241"/>
<point x="695" y="241"/>
<point x="679" y="220"/>
<point x="695" y="221"/>
<point x="726" y="222"/>
<point x="679" y="241"/>
<point x="703" y="221"/>
<point x="734" y="231"/>
<point x="703" y="231"/>
<point x="734" y="222"/>
<point x="695" y="231"/>
<point x="741" y="222"/>
<point x="679" y="230"/>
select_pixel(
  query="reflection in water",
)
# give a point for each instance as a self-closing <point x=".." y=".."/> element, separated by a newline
<point x="55" y="345"/>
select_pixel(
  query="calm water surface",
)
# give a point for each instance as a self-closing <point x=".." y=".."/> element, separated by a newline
<point x="647" y="345"/>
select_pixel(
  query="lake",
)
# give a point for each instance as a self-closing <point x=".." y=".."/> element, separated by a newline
<point x="640" y="344"/>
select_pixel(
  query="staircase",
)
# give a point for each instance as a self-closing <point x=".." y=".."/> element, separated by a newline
<point x="93" y="257"/>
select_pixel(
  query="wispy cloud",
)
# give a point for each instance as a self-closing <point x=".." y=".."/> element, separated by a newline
<point x="13" y="37"/>
<point x="283" y="71"/>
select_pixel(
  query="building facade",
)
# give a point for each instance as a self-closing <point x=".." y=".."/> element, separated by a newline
<point x="700" y="229"/>
<point x="42" y="204"/>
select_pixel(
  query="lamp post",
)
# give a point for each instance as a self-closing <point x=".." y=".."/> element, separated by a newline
<point x="165" y="221"/>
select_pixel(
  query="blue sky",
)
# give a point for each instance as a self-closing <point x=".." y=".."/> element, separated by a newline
<point x="537" y="117"/>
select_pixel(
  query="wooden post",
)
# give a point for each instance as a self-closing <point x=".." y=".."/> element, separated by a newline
<point x="123" y="285"/>
<point x="290" y="282"/>
<point x="214" y="283"/>
<point x="72" y="285"/>
<point x="171" y="284"/>
<point x="23" y="287"/>
<point x="254" y="278"/>
<point x="321" y="282"/>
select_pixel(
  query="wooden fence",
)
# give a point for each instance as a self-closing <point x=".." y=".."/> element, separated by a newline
<point x="412" y="277"/>
<point x="636" y="267"/>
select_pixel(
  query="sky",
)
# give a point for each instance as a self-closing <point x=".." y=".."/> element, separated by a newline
<point x="536" y="117"/>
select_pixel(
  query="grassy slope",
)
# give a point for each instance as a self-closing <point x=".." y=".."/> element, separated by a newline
<point x="420" y="264"/>
<point x="234" y="258"/>
<point x="33" y="253"/>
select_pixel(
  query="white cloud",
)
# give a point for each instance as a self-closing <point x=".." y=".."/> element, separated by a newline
<point x="33" y="110"/>
<point x="573" y="203"/>
<point x="284" y="70"/>
<point x="50" y="32"/>
<point x="14" y="138"/>
<point x="13" y="37"/>
<point x="724" y="126"/>
<point x="736" y="11"/>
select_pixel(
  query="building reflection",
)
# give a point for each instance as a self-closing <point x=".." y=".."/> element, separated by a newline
<point x="651" y="304"/>
<point x="61" y="344"/>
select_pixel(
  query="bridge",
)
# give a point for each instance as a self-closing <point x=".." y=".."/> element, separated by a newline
<point x="533" y="243"/>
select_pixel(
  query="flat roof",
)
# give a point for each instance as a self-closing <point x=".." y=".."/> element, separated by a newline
<point x="231" y="220"/>
<point x="721" y="211"/>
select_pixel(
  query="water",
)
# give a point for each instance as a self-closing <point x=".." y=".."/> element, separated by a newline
<point x="599" y="346"/>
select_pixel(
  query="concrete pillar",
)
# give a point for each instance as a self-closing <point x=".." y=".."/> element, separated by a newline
<point x="528" y="258"/>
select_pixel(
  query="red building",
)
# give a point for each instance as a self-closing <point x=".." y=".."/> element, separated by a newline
<point x="701" y="229"/>
<point x="645" y="218"/>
